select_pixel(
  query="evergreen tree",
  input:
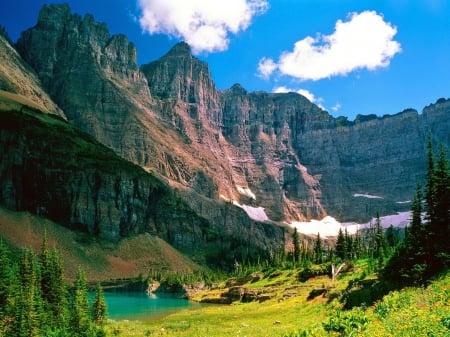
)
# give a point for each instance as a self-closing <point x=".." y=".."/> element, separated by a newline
<point x="349" y="249"/>
<point x="440" y="224"/>
<point x="426" y="248"/>
<point x="99" y="307"/>
<point x="28" y="312"/>
<point x="318" y="253"/>
<point x="8" y="290"/>
<point x="429" y="187"/>
<point x="296" y="244"/>
<point x="390" y="237"/>
<point x="52" y="285"/>
<point x="341" y="245"/>
<point x="80" y="322"/>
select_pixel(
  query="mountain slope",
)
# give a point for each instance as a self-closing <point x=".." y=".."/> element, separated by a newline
<point x="275" y="151"/>
<point x="50" y="168"/>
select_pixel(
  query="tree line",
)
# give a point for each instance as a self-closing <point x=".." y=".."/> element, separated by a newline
<point x="408" y="257"/>
<point x="425" y="251"/>
<point x="36" y="300"/>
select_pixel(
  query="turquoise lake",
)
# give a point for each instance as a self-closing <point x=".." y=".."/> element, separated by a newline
<point x="125" y="305"/>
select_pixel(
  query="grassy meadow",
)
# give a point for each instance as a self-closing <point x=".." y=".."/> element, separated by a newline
<point x="294" y="311"/>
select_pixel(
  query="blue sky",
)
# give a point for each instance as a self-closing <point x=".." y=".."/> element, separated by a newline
<point x="348" y="56"/>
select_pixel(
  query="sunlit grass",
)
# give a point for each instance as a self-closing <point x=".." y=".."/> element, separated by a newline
<point x="409" y="312"/>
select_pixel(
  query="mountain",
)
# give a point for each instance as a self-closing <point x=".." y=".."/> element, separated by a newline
<point x="232" y="164"/>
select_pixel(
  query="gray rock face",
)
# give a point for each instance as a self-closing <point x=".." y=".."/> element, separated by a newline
<point x="276" y="151"/>
<point x="70" y="178"/>
<point x="91" y="75"/>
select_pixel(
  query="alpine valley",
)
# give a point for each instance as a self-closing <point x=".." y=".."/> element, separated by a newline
<point x="157" y="154"/>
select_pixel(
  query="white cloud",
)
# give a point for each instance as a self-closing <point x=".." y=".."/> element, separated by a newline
<point x="306" y="93"/>
<point x="204" y="24"/>
<point x="365" y="41"/>
<point x="336" y="107"/>
<point x="266" y="67"/>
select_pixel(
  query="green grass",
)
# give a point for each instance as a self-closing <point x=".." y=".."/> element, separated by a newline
<point x="409" y="312"/>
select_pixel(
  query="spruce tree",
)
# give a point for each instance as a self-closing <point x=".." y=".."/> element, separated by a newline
<point x="440" y="225"/>
<point x="296" y="244"/>
<point x="341" y="245"/>
<point x="8" y="290"/>
<point x="80" y="322"/>
<point x="99" y="307"/>
<point x="318" y="253"/>
<point x="52" y="285"/>
<point x="28" y="311"/>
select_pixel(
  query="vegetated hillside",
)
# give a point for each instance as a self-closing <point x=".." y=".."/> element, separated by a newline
<point x="101" y="260"/>
<point x="50" y="168"/>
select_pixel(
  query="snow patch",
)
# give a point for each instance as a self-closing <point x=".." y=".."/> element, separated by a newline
<point x="368" y="196"/>
<point x="246" y="191"/>
<point x="329" y="226"/>
<point x="401" y="219"/>
<point x="403" y="202"/>
<point x="254" y="213"/>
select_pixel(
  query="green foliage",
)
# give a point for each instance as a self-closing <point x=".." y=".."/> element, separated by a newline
<point x="426" y="251"/>
<point x="35" y="301"/>
<point x="346" y="323"/>
<point x="318" y="253"/>
<point x="99" y="307"/>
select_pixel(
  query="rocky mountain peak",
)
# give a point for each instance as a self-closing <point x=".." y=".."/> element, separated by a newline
<point x="53" y="15"/>
<point x="181" y="49"/>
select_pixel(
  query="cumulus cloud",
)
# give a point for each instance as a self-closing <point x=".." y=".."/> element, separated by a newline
<point x="337" y="107"/>
<point x="204" y="24"/>
<point x="266" y="67"/>
<point x="365" y="41"/>
<point x="306" y="93"/>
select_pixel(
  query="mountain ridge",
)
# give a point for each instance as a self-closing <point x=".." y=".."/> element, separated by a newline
<point x="274" y="152"/>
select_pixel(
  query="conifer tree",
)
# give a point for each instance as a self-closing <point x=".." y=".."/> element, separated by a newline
<point x="8" y="290"/>
<point x="80" y="322"/>
<point x="341" y="245"/>
<point x="28" y="311"/>
<point x="52" y="284"/>
<point x="99" y="307"/>
<point x="318" y="254"/>
<point x="440" y="225"/>
<point x="296" y="246"/>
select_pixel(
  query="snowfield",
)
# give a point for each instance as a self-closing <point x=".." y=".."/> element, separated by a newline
<point x="254" y="213"/>
<point x="329" y="226"/>
<point x="368" y="196"/>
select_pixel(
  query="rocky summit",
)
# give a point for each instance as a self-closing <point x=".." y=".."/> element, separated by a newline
<point x="234" y="158"/>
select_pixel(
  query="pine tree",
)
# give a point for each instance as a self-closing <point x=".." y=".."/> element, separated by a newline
<point x="318" y="253"/>
<point x="8" y="290"/>
<point x="296" y="246"/>
<point x="28" y="312"/>
<point x="52" y="285"/>
<point x="99" y="307"/>
<point x="80" y="322"/>
<point x="440" y="225"/>
<point x="341" y="245"/>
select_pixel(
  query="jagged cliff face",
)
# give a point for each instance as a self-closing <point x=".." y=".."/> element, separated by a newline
<point x="91" y="75"/>
<point x="276" y="151"/>
<point x="51" y="169"/>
